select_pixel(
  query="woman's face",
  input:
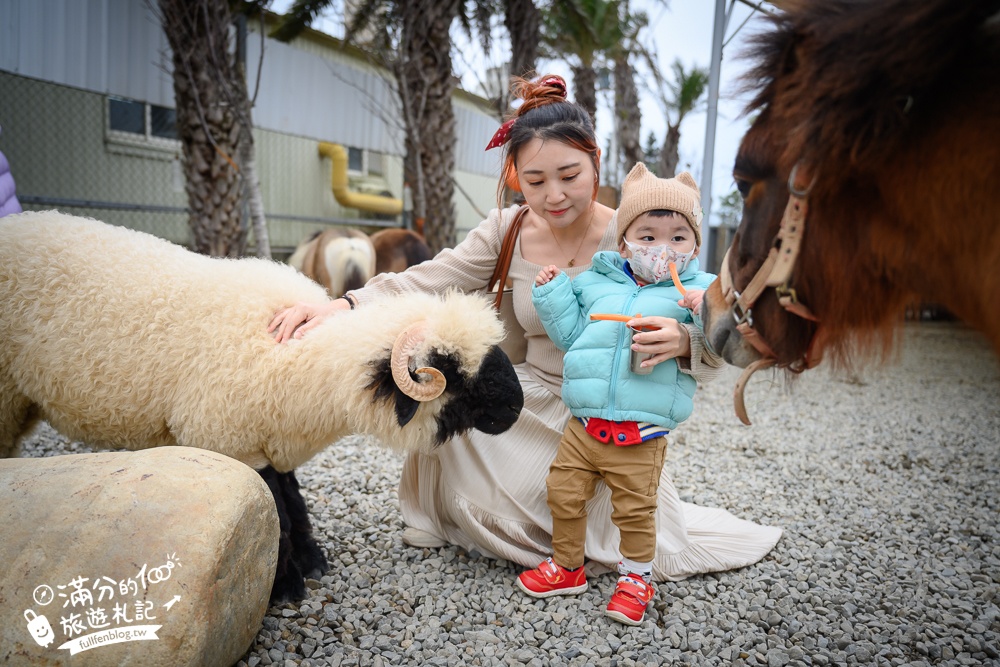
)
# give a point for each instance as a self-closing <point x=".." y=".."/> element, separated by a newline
<point x="557" y="180"/>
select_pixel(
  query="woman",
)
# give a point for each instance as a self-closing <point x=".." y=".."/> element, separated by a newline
<point x="488" y="493"/>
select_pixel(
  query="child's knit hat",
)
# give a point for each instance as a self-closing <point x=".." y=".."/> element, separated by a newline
<point x="642" y="191"/>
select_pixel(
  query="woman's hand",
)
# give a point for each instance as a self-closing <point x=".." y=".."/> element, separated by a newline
<point x="286" y="322"/>
<point x="668" y="341"/>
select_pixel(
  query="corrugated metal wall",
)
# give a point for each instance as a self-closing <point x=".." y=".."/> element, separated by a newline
<point x="60" y="58"/>
<point x="106" y="46"/>
<point x="475" y="127"/>
<point x="325" y="97"/>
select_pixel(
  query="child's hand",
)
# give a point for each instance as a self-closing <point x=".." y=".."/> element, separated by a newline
<point x="692" y="300"/>
<point x="546" y="274"/>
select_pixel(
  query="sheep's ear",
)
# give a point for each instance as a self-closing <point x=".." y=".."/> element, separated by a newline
<point x="406" y="408"/>
<point x="385" y="389"/>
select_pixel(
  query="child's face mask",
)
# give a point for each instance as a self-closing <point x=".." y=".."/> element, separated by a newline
<point x="651" y="264"/>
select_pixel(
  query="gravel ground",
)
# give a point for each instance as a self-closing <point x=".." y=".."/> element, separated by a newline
<point x="887" y="484"/>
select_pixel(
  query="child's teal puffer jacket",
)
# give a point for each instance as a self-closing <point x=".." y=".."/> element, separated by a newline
<point x="597" y="381"/>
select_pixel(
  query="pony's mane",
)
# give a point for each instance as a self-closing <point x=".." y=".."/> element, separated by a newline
<point x="846" y="72"/>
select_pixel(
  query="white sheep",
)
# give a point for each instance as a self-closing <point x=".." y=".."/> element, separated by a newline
<point x="124" y="340"/>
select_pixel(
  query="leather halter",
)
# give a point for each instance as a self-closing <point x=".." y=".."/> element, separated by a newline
<point x="775" y="272"/>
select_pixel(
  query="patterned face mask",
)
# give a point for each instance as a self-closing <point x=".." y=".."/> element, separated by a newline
<point x="651" y="264"/>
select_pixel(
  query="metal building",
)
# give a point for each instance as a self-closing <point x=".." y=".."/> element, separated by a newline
<point x="87" y="109"/>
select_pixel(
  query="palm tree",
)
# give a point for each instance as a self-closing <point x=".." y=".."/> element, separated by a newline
<point x="524" y="24"/>
<point x="414" y="43"/>
<point x="686" y="92"/>
<point x="523" y="21"/>
<point x="422" y="67"/>
<point x="583" y="31"/>
<point x="651" y="153"/>
<point x="628" y="116"/>
<point x="213" y="124"/>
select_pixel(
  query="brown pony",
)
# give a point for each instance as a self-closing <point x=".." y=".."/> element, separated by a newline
<point x="398" y="249"/>
<point x="340" y="259"/>
<point x="882" y="117"/>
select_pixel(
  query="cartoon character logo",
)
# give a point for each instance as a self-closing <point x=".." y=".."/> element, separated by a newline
<point x="39" y="628"/>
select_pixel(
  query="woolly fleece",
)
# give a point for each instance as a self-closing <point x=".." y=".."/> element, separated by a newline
<point x="125" y="340"/>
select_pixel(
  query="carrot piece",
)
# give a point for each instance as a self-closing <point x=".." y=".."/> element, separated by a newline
<point x="613" y="318"/>
<point x="677" y="279"/>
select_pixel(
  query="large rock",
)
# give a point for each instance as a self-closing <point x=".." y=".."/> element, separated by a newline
<point x="158" y="557"/>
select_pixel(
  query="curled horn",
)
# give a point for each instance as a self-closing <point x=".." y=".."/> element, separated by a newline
<point x="406" y="342"/>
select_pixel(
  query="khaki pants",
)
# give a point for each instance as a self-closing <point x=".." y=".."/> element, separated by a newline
<point x="631" y="473"/>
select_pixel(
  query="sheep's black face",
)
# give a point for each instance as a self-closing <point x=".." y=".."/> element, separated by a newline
<point x="489" y="402"/>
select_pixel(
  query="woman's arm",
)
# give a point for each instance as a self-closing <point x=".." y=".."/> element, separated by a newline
<point x="702" y="364"/>
<point x="467" y="267"/>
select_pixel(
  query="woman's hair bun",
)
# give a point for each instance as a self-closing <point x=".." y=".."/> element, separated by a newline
<point x="538" y="92"/>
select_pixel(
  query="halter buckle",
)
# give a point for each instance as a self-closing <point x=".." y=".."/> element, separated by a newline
<point x="784" y="291"/>
<point x="746" y="316"/>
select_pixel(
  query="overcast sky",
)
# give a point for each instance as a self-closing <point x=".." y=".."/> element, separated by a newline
<point x="681" y="29"/>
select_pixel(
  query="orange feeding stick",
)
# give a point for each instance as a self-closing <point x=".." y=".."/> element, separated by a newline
<point x="613" y="318"/>
<point x="621" y="318"/>
<point x="677" y="279"/>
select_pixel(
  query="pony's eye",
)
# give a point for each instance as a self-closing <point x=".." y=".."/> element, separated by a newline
<point x="743" y="186"/>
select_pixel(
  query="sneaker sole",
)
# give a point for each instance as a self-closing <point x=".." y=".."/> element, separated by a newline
<point x="622" y="618"/>
<point x="575" y="590"/>
<point x="414" y="537"/>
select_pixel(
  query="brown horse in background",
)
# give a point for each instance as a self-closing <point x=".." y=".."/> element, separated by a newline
<point x="398" y="249"/>
<point x="339" y="259"/>
<point x="885" y="117"/>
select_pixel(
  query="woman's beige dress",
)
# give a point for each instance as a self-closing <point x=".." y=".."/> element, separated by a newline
<point x="487" y="493"/>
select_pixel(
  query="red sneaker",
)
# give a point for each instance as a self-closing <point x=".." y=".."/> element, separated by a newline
<point x="628" y="603"/>
<point x="549" y="579"/>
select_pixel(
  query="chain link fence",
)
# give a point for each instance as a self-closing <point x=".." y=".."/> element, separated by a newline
<point x="94" y="155"/>
<point x="64" y="156"/>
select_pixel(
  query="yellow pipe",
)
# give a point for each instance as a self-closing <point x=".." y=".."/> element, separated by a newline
<point x="338" y="183"/>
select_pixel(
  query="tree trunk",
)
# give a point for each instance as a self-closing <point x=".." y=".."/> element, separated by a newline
<point x="256" y="203"/>
<point x="669" y="156"/>
<point x="424" y="76"/>
<point x="208" y="127"/>
<point x="523" y="21"/>
<point x="248" y="150"/>
<point x="585" y="85"/>
<point x="628" y="114"/>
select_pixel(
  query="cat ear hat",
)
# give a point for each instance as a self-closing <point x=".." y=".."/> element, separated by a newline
<point x="642" y="191"/>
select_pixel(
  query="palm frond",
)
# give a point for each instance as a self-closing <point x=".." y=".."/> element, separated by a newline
<point x="374" y="15"/>
<point x="299" y="17"/>
<point x="688" y="88"/>
<point x="476" y="19"/>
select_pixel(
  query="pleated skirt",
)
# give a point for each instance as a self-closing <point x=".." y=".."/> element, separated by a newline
<point x="487" y="494"/>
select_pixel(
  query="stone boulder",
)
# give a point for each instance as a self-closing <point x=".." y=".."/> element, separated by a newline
<point x="159" y="557"/>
